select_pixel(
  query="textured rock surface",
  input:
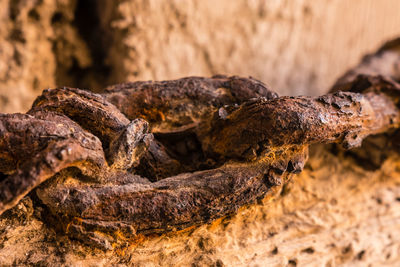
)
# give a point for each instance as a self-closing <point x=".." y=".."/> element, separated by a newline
<point x="334" y="213"/>
<point x="39" y="46"/>
<point x="298" y="47"/>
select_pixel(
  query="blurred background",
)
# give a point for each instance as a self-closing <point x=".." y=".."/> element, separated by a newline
<point x="299" y="47"/>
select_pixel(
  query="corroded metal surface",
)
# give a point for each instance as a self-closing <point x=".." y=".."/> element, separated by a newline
<point x="150" y="157"/>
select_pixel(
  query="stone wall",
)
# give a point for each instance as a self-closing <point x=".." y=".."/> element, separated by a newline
<point x="298" y="47"/>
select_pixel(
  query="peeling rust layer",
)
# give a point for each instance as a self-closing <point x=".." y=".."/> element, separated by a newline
<point x="150" y="157"/>
<point x="34" y="148"/>
<point x="267" y="125"/>
<point x="171" y="105"/>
